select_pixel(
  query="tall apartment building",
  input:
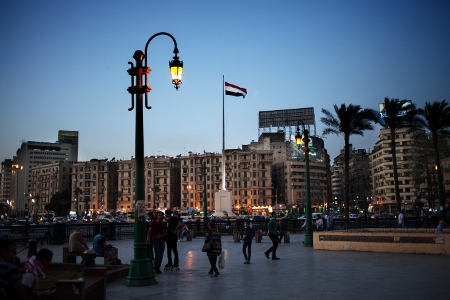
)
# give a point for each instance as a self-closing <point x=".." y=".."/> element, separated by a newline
<point x="31" y="154"/>
<point x="291" y="185"/>
<point x="97" y="180"/>
<point x="248" y="178"/>
<point x="47" y="180"/>
<point x="360" y="182"/>
<point x="5" y="181"/>
<point x="383" y="174"/>
<point x="69" y="137"/>
<point x="289" y="177"/>
<point x="162" y="183"/>
<point x="337" y="180"/>
<point x="193" y="169"/>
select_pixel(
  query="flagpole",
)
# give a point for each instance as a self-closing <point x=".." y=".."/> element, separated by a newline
<point x="223" y="133"/>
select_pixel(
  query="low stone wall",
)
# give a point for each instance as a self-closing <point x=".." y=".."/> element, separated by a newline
<point x="400" y="240"/>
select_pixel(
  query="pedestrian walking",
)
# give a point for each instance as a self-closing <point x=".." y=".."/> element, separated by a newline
<point x="319" y="223"/>
<point x="401" y="219"/>
<point x="247" y="238"/>
<point x="151" y="218"/>
<point x="272" y="233"/>
<point x="173" y="225"/>
<point x="330" y="221"/>
<point x="158" y="231"/>
<point x="280" y="231"/>
<point x="440" y="227"/>
<point x="216" y="249"/>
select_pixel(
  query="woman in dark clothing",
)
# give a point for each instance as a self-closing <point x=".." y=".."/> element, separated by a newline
<point x="216" y="250"/>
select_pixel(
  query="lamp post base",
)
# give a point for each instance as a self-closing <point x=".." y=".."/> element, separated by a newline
<point x="139" y="273"/>
<point x="308" y="241"/>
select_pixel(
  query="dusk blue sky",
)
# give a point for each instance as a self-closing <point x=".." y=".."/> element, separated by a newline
<point x="63" y="65"/>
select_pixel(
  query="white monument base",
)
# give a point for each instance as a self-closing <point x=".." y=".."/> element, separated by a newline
<point x="223" y="204"/>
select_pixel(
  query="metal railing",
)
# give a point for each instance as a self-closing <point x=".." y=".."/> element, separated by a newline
<point x="59" y="233"/>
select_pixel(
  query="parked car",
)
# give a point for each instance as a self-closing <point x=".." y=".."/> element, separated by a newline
<point x="120" y="220"/>
<point x="87" y="219"/>
<point x="59" y="220"/>
<point x="217" y="219"/>
<point x="184" y="219"/>
<point x="106" y="218"/>
<point x="258" y="218"/>
<point x="72" y="218"/>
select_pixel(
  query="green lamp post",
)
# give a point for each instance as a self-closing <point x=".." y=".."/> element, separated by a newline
<point x="141" y="271"/>
<point x="308" y="241"/>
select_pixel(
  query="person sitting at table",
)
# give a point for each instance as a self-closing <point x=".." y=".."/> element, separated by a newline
<point x="99" y="243"/>
<point x="76" y="242"/>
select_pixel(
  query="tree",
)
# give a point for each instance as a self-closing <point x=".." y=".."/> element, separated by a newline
<point x="86" y="201"/>
<point x="113" y="198"/>
<point x="435" y="118"/>
<point x="60" y="202"/>
<point x="397" y="114"/>
<point x="77" y="191"/>
<point x="349" y="120"/>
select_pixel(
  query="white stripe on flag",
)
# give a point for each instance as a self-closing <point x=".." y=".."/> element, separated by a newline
<point x="234" y="90"/>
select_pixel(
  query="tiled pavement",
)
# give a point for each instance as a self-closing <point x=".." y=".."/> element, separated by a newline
<point x="302" y="273"/>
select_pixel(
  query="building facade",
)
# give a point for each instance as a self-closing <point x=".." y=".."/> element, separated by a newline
<point x="95" y="184"/>
<point x="47" y="180"/>
<point x="162" y="184"/>
<point x="31" y="154"/>
<point x="248" y="178"/>
<point x="5" y="181"/>
<point x="383" y="175"/>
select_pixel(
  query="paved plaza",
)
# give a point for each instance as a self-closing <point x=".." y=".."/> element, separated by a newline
<point x="302" y="273"/>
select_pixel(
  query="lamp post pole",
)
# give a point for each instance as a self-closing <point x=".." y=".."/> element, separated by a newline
<point x="308" y="241"/>
<point x="141" y="270"/>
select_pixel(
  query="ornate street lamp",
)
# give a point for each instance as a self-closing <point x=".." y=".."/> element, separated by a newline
<point x="141" y="270"/>
<point x="308" y="241"/>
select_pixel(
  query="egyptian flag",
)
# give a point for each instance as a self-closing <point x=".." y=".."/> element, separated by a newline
<point x="234" y="90"/>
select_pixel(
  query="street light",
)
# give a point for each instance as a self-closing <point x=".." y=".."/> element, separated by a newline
<point x="35" y="201"/>
<point x="188" y="202"/>
<point x="141" y="270"/>
<point x="308" y="241"/>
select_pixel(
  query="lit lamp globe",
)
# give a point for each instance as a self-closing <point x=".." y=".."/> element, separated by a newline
<point x="176" y="70"/>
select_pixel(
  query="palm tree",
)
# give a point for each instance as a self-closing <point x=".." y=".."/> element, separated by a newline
<point x="86" y="201"/>
<point x="397" y="114"/>
<point x="114" y="197"/>
<point x="77" y="191"/>
<point x="436" y="119"/>
<point x="349" y="120"/>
